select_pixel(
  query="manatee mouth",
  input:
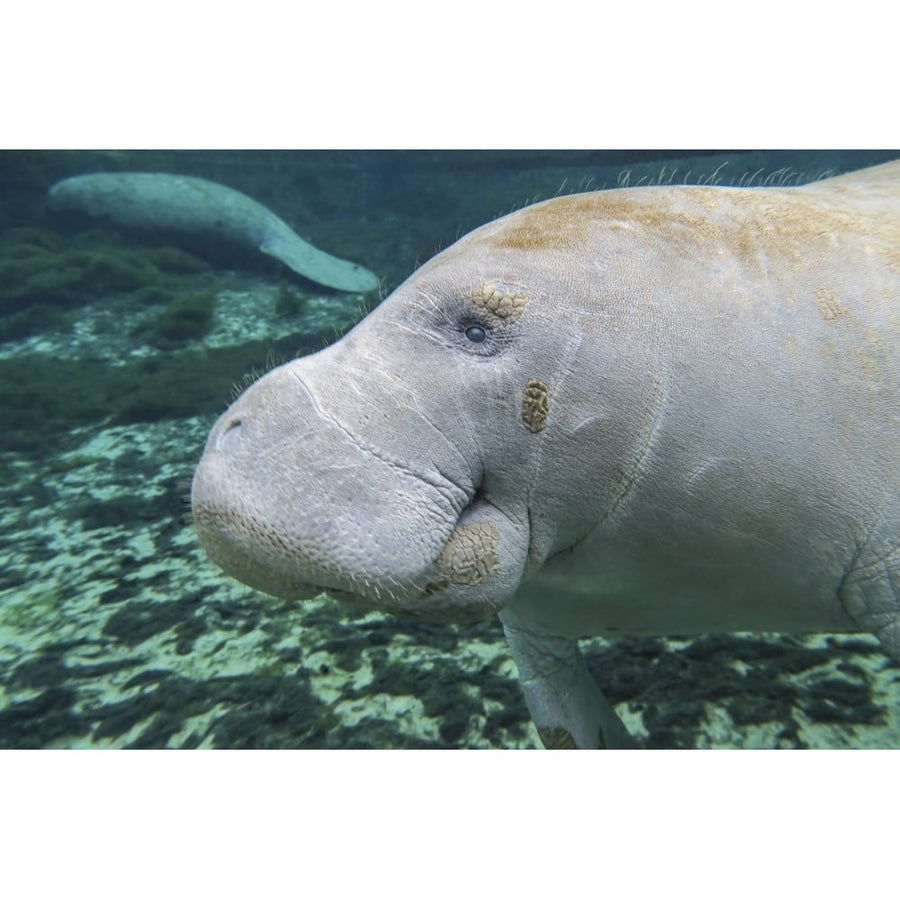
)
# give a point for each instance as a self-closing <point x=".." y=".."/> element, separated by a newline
<point x="450" y="589"/>
<point x="250" y="550"/>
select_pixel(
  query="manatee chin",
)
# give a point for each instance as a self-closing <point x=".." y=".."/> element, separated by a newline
<point x="259" y="552"/>
<point x="244" y="548"/>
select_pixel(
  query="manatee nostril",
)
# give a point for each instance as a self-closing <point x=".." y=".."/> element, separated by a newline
<point x="228" y="433"/>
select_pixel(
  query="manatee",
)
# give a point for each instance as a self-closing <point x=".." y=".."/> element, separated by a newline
<point x="201" y="210"/>
<point x="645" y="411"/>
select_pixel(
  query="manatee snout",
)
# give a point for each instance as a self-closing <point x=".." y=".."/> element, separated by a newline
<point x="290" y="500"/>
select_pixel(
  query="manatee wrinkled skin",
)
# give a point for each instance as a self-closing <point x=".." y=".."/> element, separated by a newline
<point x="646" y="411"/>
<point x="182" y="205"/>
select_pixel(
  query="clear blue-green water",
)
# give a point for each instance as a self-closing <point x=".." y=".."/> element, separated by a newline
<point x="118" y="351"/>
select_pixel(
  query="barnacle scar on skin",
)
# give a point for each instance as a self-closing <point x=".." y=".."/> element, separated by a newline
<point x="500" y="301"/>
<point x="535" y="405"/>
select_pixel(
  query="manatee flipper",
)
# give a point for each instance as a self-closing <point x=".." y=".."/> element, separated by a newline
<point x="568" y="708"/>
<point x="317" y="265"/>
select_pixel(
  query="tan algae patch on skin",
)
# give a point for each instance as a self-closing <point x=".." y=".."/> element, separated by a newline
<point x="470" y="556"/>
<point x="829" y="305"/>
<point x="744" y="221"/>
<point x="535" y="405"/>
<point x="499" y="301"/>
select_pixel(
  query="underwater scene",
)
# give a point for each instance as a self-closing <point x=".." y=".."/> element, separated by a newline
<point x="135" y="305"/>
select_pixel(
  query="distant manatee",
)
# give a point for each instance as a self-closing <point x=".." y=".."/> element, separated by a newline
<point x="201" y="209"/>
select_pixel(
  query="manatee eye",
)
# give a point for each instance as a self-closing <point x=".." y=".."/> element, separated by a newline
<point x="476" y="334"/>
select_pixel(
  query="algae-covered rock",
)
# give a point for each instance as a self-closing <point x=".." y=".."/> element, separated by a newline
<point x="39" y="267"/>
<point x="186" y="383"/>
<point x="288" y="302"/>
<point x="35" y="275"/>
<point x="171" y="259"/>
<point x="19" y="241"/>
<point x="187" y="318"/>
<point x="33" y="320"/>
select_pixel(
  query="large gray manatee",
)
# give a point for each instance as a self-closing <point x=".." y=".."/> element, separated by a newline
<point x="645" y="411"/>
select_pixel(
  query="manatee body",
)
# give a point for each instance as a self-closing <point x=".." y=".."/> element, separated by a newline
<point x="645" y="411"/>
<point x="201" y="209"/>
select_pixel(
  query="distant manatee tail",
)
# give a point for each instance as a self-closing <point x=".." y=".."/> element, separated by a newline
<point x="318" y="266"/>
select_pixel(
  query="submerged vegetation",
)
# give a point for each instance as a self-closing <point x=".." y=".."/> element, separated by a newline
<point x="44" y="397"/>
<point x="38" y="266"/>
<point x="187" y="318"/>
<point x="43" y="274"/>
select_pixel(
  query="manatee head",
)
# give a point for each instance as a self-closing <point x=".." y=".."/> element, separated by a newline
<point x="421" y="464"/>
